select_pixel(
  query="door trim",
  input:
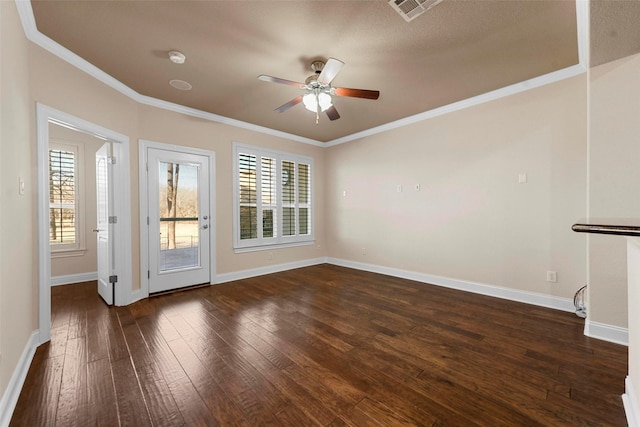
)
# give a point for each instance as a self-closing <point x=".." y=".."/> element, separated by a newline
<point x="143" y="145"/>
<point x="122" y="196"/>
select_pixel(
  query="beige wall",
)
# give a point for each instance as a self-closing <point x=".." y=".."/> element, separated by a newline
<point x="172" y="128"/>
<point x="471" y="220"/>
<point x="87" y="262"/>
<point x="18" y="276"/>
<point x="62" y="86"/>
<point x="614" y="180"/>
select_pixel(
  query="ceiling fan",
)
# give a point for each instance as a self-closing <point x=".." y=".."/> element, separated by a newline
<point x="319" y="91"/>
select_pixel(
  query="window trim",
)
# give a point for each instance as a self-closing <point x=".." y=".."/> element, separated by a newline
<point x="280" y="241"/>
<point x="78" y="248"/>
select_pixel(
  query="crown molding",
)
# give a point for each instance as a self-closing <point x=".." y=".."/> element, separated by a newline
<point x="513" y="89"/>
<point x="27" y="19"/>
<point x="25" y="11"/>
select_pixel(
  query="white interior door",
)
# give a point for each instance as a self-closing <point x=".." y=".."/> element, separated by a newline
<point x="104" y="229"/>
<point x="179" y="233"/>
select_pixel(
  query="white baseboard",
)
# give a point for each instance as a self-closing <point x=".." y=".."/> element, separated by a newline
<point x="74" y="278"/>
<point x="11" y="394"/>
<point x="549" y="301"/>
<point x="631" y="402"/>
<point x="253" y="272"/>
<point x="602" y="331"/>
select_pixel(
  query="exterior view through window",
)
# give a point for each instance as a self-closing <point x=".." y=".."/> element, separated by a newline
<point x="63" y="199"/>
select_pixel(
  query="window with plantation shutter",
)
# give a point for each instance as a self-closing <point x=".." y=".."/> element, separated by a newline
<point x="248" y="193"/>
<point x="64" y="213"/>
<point x="272" y="203"/>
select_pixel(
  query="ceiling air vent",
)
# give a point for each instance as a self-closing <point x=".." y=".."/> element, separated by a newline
<point x="411" y="9"/>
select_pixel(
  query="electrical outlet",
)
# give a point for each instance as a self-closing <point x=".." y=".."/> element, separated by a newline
<point x="522" y="178"/>
<point x="364" y="251"/>
<point x="552" y="276"/>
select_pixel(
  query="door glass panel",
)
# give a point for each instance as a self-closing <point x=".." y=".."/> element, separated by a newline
<point x="179" y="210"/>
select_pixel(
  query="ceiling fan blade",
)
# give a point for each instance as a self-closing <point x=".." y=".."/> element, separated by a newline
<point x="295" y="101"/>
<point x="332" y="113"/>
<point x="330" y="70"/>
<point x="281" y="81"/>
<point x="356" y="93"/>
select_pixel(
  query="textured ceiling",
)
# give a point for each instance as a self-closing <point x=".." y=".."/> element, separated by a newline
<point x="457" y="50"/>
<point x="615" y="30"/>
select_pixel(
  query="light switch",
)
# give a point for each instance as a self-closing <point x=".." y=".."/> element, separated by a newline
<point x="522" y="178"/>
<point x="399" y="188"/>
<point x="20" y="186"/>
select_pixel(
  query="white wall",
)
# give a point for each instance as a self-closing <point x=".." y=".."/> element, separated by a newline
<point x="471" y="219"/>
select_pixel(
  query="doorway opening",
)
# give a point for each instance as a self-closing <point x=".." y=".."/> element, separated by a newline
<point x="121" y="231"/>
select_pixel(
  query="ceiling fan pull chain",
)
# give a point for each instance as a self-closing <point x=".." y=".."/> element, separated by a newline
<point x="317" y="107"/>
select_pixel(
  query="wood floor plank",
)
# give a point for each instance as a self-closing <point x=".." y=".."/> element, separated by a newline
<point x="74" y="397"/>
<point x="320" y="345"/>
<point x="97" y="342"/>
<point x="193" y="409"/>
<point x="221" y="408"/>
<point x="160" y="351"/>
<point x="132" y="409"/>
<point x="38" y="399"/>
<point x="103" y="410"/>
<point x="163" y="410"/>
<point x="117" y="343"/>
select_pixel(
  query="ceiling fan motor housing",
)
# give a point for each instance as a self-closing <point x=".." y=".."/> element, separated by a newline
<point x="317" y="66"/>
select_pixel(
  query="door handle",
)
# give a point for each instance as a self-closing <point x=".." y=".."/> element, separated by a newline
<point x="96" y="230"/>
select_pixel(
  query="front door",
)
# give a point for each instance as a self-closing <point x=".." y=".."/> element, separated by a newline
<point x="179" y="234"/>
<point x="103" y="229"/>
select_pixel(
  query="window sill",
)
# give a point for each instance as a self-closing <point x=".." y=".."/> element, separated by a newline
<point x="65" y="253"/>
<point x="271" y="247"/>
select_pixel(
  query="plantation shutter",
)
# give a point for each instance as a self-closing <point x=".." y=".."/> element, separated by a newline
<point x="304" y="199"/>
<point x="62" y="196"/>
<point x="288" y="199"/>
<point x="268" y="196"/>
<point x="248" y="196"/>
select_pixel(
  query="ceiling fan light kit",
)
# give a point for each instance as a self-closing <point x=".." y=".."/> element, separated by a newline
<point x="313" y="102"/>
<point x="318" y="96"/>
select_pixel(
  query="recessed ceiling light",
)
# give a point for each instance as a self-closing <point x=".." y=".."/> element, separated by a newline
<point x="180" y="84"/>
<point x="177" y="57"/>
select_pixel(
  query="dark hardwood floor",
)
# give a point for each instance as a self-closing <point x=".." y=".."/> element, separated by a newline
<point x="322" y="345"/>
